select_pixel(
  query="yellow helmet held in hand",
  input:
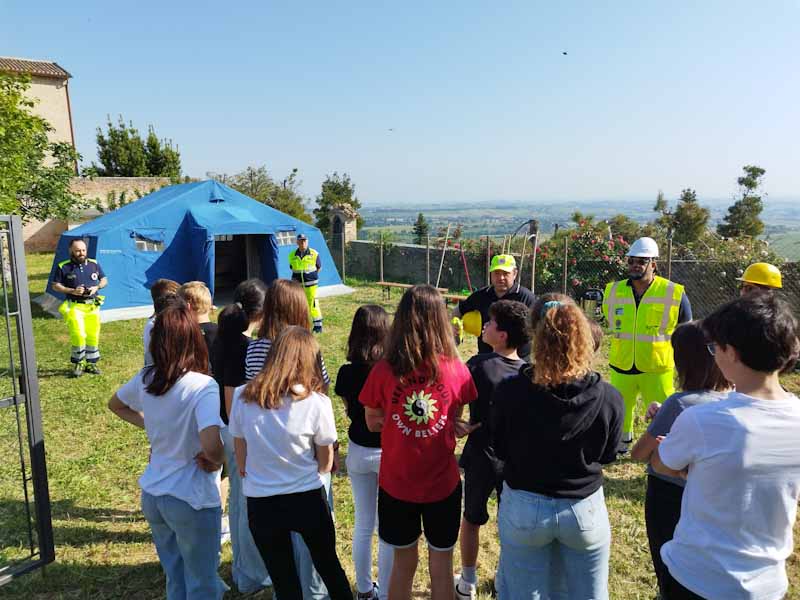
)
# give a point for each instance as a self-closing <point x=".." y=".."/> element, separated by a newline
<point x="762" y="273"/>
<point x="473" y="324"/>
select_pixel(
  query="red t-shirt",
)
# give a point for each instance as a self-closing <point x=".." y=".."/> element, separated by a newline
<point x="418" y="437"/>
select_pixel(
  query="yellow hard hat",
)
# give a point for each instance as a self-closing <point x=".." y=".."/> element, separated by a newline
<point x="473" y="324"/>
<point x="503" y="262"/>
<point x="762" y="274"/>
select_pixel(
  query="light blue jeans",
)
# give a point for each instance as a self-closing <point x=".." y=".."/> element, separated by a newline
<point x="248" y="570"/>
<point x="552" y="548"/>
<point x="187" y="542"/>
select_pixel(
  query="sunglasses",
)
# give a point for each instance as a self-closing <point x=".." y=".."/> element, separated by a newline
<point x="712" y="348"/>
<point x="635" y="260"/>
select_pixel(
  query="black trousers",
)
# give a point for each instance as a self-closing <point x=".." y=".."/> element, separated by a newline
<point x="662" y="511"/>
<point x="672" y="590"/>
<point x="273" y="518"/>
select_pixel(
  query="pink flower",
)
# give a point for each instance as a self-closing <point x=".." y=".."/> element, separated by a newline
<point x="574" y="261"/>
<point x="575" y="282"/>
<point x="605" y="257"/>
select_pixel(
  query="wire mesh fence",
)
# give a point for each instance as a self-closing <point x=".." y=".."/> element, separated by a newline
<point x="577" y="268"/>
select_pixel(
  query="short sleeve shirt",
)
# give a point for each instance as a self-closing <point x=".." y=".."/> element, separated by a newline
<point x="73" y="275"/>
<point x="418" y="437"/>
<point x="666" y="415"/>
<point x="483" y="298"/>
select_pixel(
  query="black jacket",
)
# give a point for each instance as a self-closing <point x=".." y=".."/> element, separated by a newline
<point x="554" y="441"/>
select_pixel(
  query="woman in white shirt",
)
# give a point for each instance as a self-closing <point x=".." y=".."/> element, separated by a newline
<point x="284" y="431"/>
<point x="177" y="404"/>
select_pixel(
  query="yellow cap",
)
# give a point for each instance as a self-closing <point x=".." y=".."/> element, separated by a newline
<point x="473" y="324"/>
<point x="503" y="262"/>
<point x="762" y="274"/>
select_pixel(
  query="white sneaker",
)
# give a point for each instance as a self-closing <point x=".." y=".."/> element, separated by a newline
<point x="464" y="590"/>
<point x="225" y="535"/>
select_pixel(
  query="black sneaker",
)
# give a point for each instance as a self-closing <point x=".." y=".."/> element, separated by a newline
<point x="92" y="368"/>
<point x="318" y="329"/>
<point x="77" y="370"/>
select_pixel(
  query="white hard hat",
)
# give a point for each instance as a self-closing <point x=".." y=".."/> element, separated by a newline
<point x="645" y="247"/>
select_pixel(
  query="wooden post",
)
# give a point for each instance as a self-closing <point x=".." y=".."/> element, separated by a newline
<point x="566" y="258"/>
<point x="488" y="260"/>
<point x="522" y="260"/>
<point x="444" y="249"/>
<point x="669" y="258"/>
<point x="428" y="258"/>
<point x="534" y="256"/>
<point x="381" y="257"/>
<point x="344" y="268"/>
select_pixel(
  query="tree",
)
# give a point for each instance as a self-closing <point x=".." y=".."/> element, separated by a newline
<point x="257" y="183"/>
<point x="35" y="174"/>
<point x="623" y="225"/>
<point x="743" y="216"/>
<point x="336" y="189"/>
<point x="421" y="229"/>
<point x="664" y="220"/>
<point x="689" y="220"/>
<point x="123" y="153"/>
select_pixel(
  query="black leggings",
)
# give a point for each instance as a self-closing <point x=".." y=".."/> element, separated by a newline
<point x="273" y="518"/>
<point x="662" y="511"/>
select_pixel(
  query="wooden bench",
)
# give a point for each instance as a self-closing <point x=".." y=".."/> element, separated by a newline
<point x="388" y="285"/>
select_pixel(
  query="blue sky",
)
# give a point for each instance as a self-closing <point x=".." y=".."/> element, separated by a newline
<point x="483" y="104"/>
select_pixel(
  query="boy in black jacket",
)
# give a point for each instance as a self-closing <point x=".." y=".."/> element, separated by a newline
<point x="505" y="332"/>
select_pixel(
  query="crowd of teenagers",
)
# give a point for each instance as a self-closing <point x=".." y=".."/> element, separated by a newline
<point x="250" y="393"/>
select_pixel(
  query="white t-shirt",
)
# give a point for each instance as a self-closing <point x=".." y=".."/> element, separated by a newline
<point x="740" y="502"/>
<point x="280" y="443"/>
<point x="148" y="331"/>
<point x="172" y="423"/>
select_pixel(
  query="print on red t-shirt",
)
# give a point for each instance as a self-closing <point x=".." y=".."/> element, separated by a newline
<point x="418" y="437"/>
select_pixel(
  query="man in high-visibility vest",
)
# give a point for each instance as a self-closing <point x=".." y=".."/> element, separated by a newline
<point x="760" y="277"/>
<point x="80" y="278"/>
<point x="306" y="266"/>
<point x="643" y="311"/>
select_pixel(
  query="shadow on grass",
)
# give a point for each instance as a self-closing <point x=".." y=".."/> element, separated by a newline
<point x="624" y="488"/>
<point x="83" y="580"/>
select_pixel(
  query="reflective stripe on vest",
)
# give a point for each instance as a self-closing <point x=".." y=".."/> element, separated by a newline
<point x="305" y="269"/>
<point x="641" y="336"/>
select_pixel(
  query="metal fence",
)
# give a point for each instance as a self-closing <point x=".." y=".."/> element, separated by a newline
<point x="708" y="283"/>
<point x="26" y="534"/>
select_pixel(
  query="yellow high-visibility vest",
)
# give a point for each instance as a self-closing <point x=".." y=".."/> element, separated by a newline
<point x="640" y="336"/>
<point x="304" y="269"/>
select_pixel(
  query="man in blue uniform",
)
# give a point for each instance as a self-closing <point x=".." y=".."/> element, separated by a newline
<point x="80" y="278"/>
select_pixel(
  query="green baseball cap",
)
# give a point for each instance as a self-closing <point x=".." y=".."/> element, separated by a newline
<point x="503" y="262"/>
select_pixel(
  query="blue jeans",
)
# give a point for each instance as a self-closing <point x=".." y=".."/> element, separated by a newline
<point x="248" y="570"/>
<point x="187" y="542"/>
<point x="552" y="547"/>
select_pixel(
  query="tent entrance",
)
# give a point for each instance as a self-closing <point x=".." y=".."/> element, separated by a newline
<point x="236" y="258"/>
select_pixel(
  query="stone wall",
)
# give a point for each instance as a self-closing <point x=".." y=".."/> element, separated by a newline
<point x="42" y="236"/>
<point x="409" y="263"/>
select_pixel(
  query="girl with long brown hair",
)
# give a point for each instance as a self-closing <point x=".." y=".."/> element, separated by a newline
<point x="415" y="396"/>
<point x="284" y="430"/>
<point x="364" y="348"/>
<point x="177" y="404"/>
<point x="556" y="424"/>
<point x="285" y="305"/>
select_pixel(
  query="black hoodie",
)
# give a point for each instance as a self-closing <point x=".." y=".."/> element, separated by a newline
<point x="554" y="440"/>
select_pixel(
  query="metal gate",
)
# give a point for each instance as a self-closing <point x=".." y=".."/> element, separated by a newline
<point x="26" y="530"/>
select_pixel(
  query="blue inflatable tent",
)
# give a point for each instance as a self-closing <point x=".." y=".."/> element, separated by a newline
<point x="202" y="231"/>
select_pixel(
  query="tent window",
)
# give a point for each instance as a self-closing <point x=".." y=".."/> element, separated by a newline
<point x="285" y="238"/>
<point x="144" y="244"/>
<point x="223" y="238"/>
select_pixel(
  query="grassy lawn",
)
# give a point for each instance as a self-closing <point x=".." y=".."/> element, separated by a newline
<point x="103" y="545"/>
